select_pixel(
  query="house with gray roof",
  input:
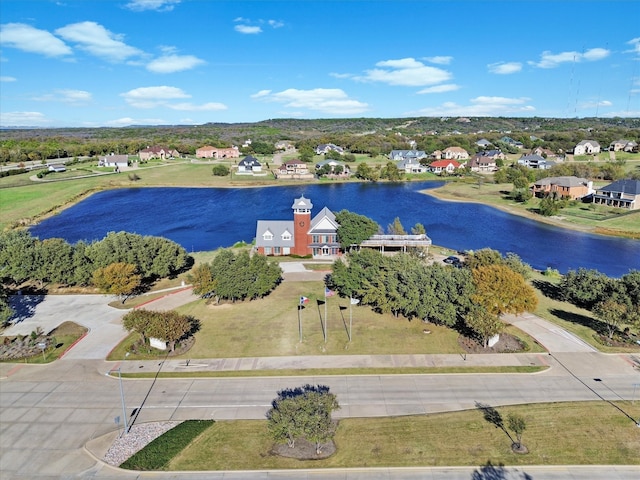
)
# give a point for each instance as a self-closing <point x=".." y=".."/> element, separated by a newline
<point x="535" y="161"/>
<point x="399" y="155"/>
<point x="302" y="236"/>
<point x="564" y="187"/>
<point x="411" y="165"/>
<point x="620" y="194"/>
<point x="586" y="147"/>
<point x="622" y="146"/>
<point x="250" y="165"/>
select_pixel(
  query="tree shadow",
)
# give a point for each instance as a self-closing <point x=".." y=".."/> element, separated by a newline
<point x="489" y="471"/>
<point x="549" y="290"/>
<point x="24" y="307"/>
<point x="595" y="325"/>
<point x="494" y="417"/>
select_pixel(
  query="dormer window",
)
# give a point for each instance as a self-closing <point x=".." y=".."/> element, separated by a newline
<point x="267" y="235"/>
<point x="286" y="236"/>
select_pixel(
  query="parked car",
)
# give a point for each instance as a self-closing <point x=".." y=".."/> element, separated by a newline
<point x="452" y="260"/>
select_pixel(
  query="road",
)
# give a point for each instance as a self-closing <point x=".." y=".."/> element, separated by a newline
<point x="48" y="414"/>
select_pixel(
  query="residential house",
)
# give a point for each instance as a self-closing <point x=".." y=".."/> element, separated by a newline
<point x="293" y="169"/>
<point x="535" y="161"/>
<point x="327" y="147"/>
<point x="482" y="163"/>
<point x="483" y="143"/>
<point x="455" y="153"/>
<point x="411" y="165"/>
<point x="623" y="146"/>
<point x="398" y="155"/>
<point x="446" y="166"/>
<point x="346" y="170"/>
<point x="586" y="147"/>
<point x="114" y="161"/>
<point x="157" y="152"/>
<point x="512" y="142"/>
<point x="249" y="165"/>
<point x="284" y="145"/>
<point x="214" y="152"/>
<point x="564" y="187"/>
<point x="301" y="236"/>
<point x="621" y="194"/>
<point x="545" y="153"/>
<point x="57" y="168"/>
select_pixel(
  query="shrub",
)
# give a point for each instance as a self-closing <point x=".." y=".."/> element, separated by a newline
<point x="157" y="454"/>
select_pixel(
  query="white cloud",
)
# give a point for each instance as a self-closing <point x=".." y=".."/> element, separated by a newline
<point x="439" y="60"/>
<point x="23" y="119"/>
<point x="325" y="100"/>
<point x="247" y="29"/>
<point x="482" y="106"/>
<point x="447" y="87"/>
<point x="594" y="104"/>
<point x="66" y="96"/>
<point x="635" y="46"/>
<point x="7" y="79"/>
<point x="628" y="114"/>
<point x="275" y="23"/>
<point x="157" y="5"/>
<point x="126" y="121"/>
<point x="174" y="63"/>
<point x="29" y="39"/>
<point x="162" y="96"/>
<point x="406" y="72"/>
<point x="97" y="40"/>
<point x="552" y="60"/>
<point x="504" y="68"/>
<point x="205" y="107"/>
<point x="341" y="75"/>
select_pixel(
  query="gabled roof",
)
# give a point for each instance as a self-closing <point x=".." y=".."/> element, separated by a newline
<point x="324" y="221"/>
<point x="532" y="157"/>
<point x="444" y="163"/>
<point x="277" y="228"/>
<point x="565" y="181"/>
<point x="455" y="149"/>
<point x="249" y="161"/>
<point x="302" y="203"/>
<point x="589" y="142"/>
<point x="626" y="186"/>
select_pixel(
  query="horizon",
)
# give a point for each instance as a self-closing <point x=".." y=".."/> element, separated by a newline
<point x="145" y="63"/>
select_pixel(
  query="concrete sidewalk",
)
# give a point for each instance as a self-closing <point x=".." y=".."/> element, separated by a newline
<point x="334" y="362"/>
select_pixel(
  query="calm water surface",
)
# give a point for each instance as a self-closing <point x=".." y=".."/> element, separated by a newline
<point x="207" y="218"/>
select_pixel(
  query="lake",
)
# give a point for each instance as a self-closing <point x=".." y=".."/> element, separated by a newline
<point x="202" y="219"/>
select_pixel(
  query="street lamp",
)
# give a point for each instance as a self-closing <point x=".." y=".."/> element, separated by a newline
<point x="124" y="407"/>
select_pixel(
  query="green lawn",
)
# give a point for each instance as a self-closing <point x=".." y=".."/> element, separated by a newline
<point x="589" y="433"/>
<point x="269" y="327"/>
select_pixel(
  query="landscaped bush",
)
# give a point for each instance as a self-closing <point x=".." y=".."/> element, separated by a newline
<point x="157" y="454"/>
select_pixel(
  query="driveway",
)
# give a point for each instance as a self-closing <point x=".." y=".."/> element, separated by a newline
<point x="90" y="311"/>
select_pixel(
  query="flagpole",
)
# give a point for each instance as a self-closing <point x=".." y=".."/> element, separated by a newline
<point x="300" y="322"/>
<point x="325" y="317"/>
<point x="350" y="315"/>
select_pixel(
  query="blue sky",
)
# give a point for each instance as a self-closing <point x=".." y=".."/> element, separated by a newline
<point x="76" y="63"/>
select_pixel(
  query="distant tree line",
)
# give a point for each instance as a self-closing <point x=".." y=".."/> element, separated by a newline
<point x="24" y="258"/>
<point x="236" y="277"/>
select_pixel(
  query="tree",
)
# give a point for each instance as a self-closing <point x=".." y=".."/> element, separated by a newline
<point x="612" y="314"/>
<point x="354" y="228"/>
<point x="303" y="412"/>
<point x="220" y="170"/>
<point x="202" y="279"/>
<point x="396" y="227"/>
<point x="306" y="153"/>
<point x="391" y="172"/>
<point x="484" y="324"/>
<point x="171" y="327"/>
<point x="517" y="425"/>
<point x="139" y="320"/>
<point x="118" y="278"/>
<point x="585" y="288"/>
<point x="483" y="258"/>
<point x="6" y="312"/>
<point x="418" y="229"/>
<point x="500" y="290"/>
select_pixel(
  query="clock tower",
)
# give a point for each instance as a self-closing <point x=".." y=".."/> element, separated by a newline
<point x="301" y="225"/>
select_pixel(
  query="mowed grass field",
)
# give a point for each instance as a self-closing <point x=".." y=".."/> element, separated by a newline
<point x="589" y="433"/>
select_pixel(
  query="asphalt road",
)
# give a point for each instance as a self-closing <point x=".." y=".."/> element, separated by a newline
<point x="49" y="413"/>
